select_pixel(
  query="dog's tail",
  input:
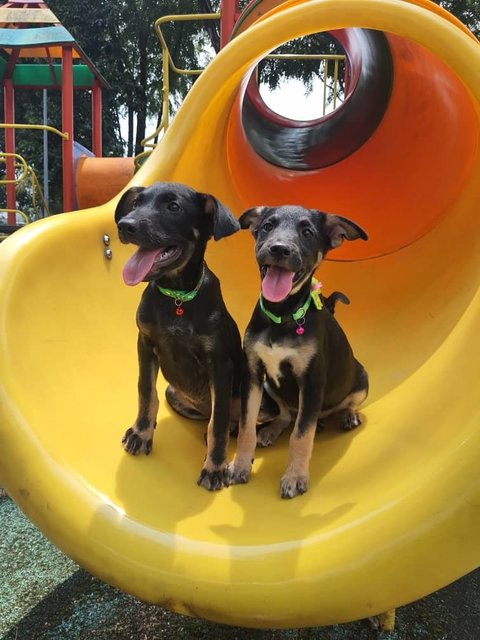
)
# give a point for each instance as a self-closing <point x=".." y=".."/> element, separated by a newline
<point x="331" y="301"/>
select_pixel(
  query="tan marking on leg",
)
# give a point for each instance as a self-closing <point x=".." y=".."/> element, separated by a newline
<point x="235" y="407"/>
<point x="352" y="401"/>
<point x="350" y="418"/>
<point x="241" y="466"/>
<point x="295" y="479"/>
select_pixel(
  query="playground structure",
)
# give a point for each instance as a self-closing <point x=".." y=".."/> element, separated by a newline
<point x="39" y="53"/>
<point x="393" y="511"/>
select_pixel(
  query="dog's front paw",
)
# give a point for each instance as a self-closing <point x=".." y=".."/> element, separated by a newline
<point x="213" y="479"/>
<point x="135" y="442"/>
<point x="238" y="474"/>
<point x="292" y="485"/>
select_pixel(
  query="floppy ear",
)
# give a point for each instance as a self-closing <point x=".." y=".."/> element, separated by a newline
<point x="127" y="202"/>
<point x="339" y="229"/>
<point x="251" y="217"/>
<point x="224" y="222"/>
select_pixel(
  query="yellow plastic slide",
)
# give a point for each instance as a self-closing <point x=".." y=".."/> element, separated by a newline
<point x="393" y="512"/>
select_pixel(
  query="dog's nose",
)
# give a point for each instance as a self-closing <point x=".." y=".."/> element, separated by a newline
<point x="279" y="250"/>
<point x="128" y="227"/>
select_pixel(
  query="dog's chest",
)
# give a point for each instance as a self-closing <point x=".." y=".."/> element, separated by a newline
<point x="277" y="354"/>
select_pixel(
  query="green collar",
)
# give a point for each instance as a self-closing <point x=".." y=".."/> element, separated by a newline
<point x="182" y="296"/>
<point x="299" y="315"/>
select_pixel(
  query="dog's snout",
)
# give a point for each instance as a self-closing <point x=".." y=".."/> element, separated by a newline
<point x="128" y="227"/>
<point x="280" y="250"/>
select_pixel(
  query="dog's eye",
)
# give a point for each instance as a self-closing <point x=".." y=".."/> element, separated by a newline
<point x="268" y="226"/>
<point x="307" y="232"/>
<point x="173" y="206"/>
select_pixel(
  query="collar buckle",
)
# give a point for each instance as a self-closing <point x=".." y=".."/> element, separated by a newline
<point x="179" y="297"/>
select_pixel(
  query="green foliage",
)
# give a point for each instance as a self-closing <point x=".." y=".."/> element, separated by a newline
<point x="467" y="11"/>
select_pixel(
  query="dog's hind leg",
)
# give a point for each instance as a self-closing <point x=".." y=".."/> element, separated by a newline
<point x="349" y="416"/>
<point x="185" y="407"/>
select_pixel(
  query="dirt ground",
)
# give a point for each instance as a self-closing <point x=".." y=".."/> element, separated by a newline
<point x="46" y="596"/>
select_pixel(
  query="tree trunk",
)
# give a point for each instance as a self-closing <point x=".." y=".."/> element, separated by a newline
<point x="159" y="120"/>
<point x="211" y="26"/>
<point x="141" y="90"/>
<point x="130" y="130"/>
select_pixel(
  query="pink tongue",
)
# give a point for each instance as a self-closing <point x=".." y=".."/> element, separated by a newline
<point x="277" y="284"/>
<point x="139" y="265"/>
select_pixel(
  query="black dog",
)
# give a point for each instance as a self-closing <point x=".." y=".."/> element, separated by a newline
<point x="295" y="351"/>
<point x="184" y="326"/>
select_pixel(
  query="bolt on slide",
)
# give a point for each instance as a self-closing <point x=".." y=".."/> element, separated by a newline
<point x="393" y="512"/>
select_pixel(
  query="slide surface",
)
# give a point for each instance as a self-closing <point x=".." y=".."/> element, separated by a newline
<point x="393" y="512"/>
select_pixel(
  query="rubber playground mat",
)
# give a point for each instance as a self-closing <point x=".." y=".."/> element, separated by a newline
<point x="46" y="596"/>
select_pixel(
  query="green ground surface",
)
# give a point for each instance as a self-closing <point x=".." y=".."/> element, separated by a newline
<point x="46" y="596"/>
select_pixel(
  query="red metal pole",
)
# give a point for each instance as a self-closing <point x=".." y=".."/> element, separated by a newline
<point x="67" y="127"/>
<point x="9" y="116"/>
<point x="229" y="11"/>
<point x="97" y="118"/>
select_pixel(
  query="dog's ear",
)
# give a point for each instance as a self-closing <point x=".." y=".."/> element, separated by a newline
<point x="339" y="229"/>
<point x="251" y="217"/>
<point x="224" y="222"/>
<point x="127" y="202"/>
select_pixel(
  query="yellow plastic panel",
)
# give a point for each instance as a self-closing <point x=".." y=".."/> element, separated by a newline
<point x="393" y="512"/>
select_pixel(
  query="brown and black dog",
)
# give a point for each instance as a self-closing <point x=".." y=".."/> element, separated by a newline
<point x="296" y="353"/>
<point x="184" y="326"/>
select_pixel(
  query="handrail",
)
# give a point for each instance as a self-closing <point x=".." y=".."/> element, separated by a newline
<point x="167" y="64"/>
<point x="181" y="18"/>
<point x="306" y="56"/>
<point x="20" y="162"/>
<point x="37" y="189"/>
<point x="27" y="173"/>
<point x="41" y="127"/>
<point x="16" y="211"/>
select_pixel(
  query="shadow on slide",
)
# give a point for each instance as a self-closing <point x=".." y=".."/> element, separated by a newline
<point x="394" y="508"/>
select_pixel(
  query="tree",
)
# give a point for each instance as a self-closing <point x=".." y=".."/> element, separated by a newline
<point x="467" y="11"/>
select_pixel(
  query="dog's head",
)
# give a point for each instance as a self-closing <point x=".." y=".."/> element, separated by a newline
<point x="170" y="223"/>
<point x="291" y="241"/>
